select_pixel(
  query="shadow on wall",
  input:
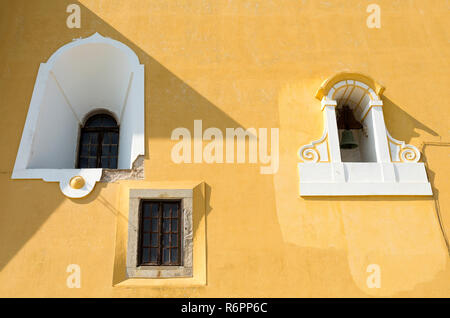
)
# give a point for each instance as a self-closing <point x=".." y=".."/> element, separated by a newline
<point x="441" y="215"/>
<point x="400" y="124"/>
<point x="169" y="103"/>
<point x="111" y="208"/>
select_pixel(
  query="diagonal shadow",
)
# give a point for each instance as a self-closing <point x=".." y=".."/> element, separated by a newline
<point x="169" y="103"/>
<point x="400" y="124"/>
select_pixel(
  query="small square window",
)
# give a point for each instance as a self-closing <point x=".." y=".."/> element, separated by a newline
<point x="160" y="233"/>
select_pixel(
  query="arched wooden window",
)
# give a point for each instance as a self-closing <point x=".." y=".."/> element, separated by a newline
<point x="99" y="143"/>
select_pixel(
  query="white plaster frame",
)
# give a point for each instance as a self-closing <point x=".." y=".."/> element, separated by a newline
<point x="45" y="75"/>
<point x="395" y="172"/>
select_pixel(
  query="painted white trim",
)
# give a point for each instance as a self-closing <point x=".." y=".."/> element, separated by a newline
<point x="400" y="151"/>
<point x="309" y="153"/>
<point x="358" y="178"/>
<point x="95" y="38"/>
<point x="365" y="189"/>
<point x="63" y="176"/>
<point x="65" y="97"/>
<point x="134" y="126"/>
<point x="125" y="102"/>
<point x="395" y="172"/>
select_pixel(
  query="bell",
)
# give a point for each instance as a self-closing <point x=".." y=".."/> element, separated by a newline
<point x="346" y="120"/>
<point x="347" y="140"/>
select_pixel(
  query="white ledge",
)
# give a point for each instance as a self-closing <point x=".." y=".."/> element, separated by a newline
<point x="363" y="179"/>
<point x="364" y="189"/>
<point x="63" y="176"/>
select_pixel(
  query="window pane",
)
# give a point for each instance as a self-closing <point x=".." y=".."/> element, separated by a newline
<point x="145" y="255"/>
<point x="110" y="138"/>
<point x="168" y="207"/>
<point x="146" y="208"/>
<point x="112" y="163"/>
<point x="84" y="150"/>
<point x="88" y="150"/>
<point x="174" y="240"/>
<point x="146" y="225"/>
<point x="92" y="163"/>
<point x="115" y="138"/>
<point x="83" y="163"/>
<point x="93" y="150"/>
<point x="101" y="120"/>
<point x="174" y="225"/>
<point x="166" y="211"/>
<point x="85" y="139"/>
<point x="94" y="122"/>
<point x="146" y="241"/>
<point x="93" y="138"/>
<point x="174" y="255"/>
<point x="106" y="139"/>
<point x="166" y="225"/>
<point x="108" y="121"/>
<point x="155" y="225"/>
<point x="155" y="241"/>
<point x="165" y="256"/>
<point x="108" y="162"/>
<point x="155" y="208"/>
<point x="105" y="150"/>
<point x="165" y="240"/>
<point x="154" y="255"/>
<point x="105" y="162"/>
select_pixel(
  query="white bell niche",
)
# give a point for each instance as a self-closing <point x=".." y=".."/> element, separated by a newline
<point x="379" y="165"/>
<point x="81" y="77"/>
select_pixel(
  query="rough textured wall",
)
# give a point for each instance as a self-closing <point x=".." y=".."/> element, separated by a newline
<point x="239" y="64"/>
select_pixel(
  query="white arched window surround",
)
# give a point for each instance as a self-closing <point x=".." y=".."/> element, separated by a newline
<point x="81" y="77"/>
<point x="390" y="167"/>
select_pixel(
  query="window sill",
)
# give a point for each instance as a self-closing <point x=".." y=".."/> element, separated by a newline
<point x="159" y="272"/>
<point x="161" y="282"/>
<point x="363" y="179"/>
<point x="90" y="176"/>
<point x="63" y="176"/>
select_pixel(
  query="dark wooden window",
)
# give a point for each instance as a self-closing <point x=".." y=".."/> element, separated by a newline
<point x="160" y="234"/>
<point x="99" y="143"/>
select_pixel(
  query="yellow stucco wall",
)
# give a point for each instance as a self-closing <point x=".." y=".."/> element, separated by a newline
<point x="239" y="64"/>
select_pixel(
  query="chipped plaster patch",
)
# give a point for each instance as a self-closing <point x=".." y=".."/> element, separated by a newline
<point x="136" y="173"/>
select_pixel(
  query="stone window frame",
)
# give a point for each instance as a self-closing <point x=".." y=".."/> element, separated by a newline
<point x="186" y="269"/>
